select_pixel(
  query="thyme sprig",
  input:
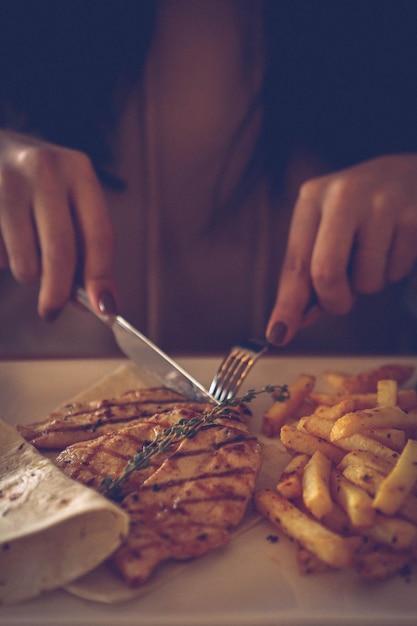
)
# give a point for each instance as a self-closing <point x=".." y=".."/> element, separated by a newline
<point x="183" y="429"/>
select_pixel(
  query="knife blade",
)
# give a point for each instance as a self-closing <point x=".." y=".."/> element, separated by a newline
<point x="147" y="355"/>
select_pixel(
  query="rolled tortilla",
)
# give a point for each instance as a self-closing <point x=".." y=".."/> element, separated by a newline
<point x="52" y="529"/>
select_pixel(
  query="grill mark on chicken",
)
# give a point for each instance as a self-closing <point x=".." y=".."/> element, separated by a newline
<point x="156" y="395"/>
<point x="171" y="484"/>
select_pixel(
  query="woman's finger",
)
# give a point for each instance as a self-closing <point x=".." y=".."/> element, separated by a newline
<point x="373" y="243"/>
<point x="333" y="247"/>
<point x="95" y="236"/>
<point x="295" y="287"/>
<point x="19" y="237"/>
<point x="56" y="235"/>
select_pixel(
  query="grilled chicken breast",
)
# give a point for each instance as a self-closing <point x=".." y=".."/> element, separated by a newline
<point x="187" y="499"/>
<point x="191" y="504"/>
<point x="86" y="421"/>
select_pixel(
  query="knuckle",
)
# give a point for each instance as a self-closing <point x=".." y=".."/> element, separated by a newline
<point x="329" y="282"/>
<point x="339" y="191"/>
<point x="309" y="189"/>
<point x="81" y="162"/>
<point x="46" y="160"/>
<point x="24" y="270"/>
<point x="326" y="278"/>
<point x="333" y="194"/>
<point x="296" y="266"/>
<point x="335" y="188"/>
<point x="380" y="210"/>
<point x="39" y="161"/>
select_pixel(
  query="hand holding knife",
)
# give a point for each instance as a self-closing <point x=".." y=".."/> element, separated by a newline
<point x="147" y="355"/>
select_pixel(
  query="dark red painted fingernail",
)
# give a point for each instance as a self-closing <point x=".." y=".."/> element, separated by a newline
<point x="51" y="314"/>
<point x="107" y="303"/>
<point x="277" y="333"/>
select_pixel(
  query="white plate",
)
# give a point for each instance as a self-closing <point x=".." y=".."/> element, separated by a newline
<point x="253" y="582"/>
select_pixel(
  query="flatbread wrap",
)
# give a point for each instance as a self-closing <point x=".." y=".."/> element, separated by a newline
<point x="52" y="529"/>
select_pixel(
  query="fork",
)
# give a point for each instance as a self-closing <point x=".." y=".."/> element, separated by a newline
<point x="235" y="367"/>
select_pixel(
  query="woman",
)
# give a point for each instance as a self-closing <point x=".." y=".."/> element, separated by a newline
<point x="181" y="158"/>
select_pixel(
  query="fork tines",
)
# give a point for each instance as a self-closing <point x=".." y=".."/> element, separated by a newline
<point x="235" y="367"/>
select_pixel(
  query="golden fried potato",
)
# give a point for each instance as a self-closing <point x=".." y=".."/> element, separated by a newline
<point x="353" y="500"/>
<point x="387" y="393"/>
<point x="399" y="483"/>
<point x="394" y="532"/>
<point x="406" y="399"/>
<point x="370" y="481"/>
<point x="366" y="382"/>
<point x="280" y="412"/>
<point x="315" y="481"/>
<point x="381" y="564"/>
<point x="366" y="460"/>
<point x="304" y="443"/>
<point x="326" y="545"/>
<point x="290" y="482"/>
<point x="378" y="417"/>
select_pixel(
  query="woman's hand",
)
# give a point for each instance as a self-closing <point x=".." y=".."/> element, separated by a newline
<point x="53" y="221"/>
<point x="352" y="232"/>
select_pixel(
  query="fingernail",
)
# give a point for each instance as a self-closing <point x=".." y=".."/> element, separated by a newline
<point x="277" y="333"/>
<point x="51" y="314"/>
<point x="107" y="303"/>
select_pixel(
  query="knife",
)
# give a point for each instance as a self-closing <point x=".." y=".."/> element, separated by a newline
<point x="147" y="355"/>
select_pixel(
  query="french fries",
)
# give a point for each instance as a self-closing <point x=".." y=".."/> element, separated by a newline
<point x="297" y="441"/>
<point x="290" y="482"/>
<point x="370" y="481"/>
<point x="367" y="460"/>
<point x="367" y="444"/>
<point x="280" y="412"/>
<point x="392" y="438"/>
<point x="348" y="496"/>
<point x="368" y="381"/>
<point x="328" y="546"/>
<point x="395" y="488"/>
<point x="356" y="502"/>
<point x="381" y="564"/>
<point x="378" y="417"/>
<point x="320" y="427"/>
<point x="406" y="399"/>
<point x="386" y="392"/>
<point x="393" y="532"/>
<point x="315" y="485"/>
